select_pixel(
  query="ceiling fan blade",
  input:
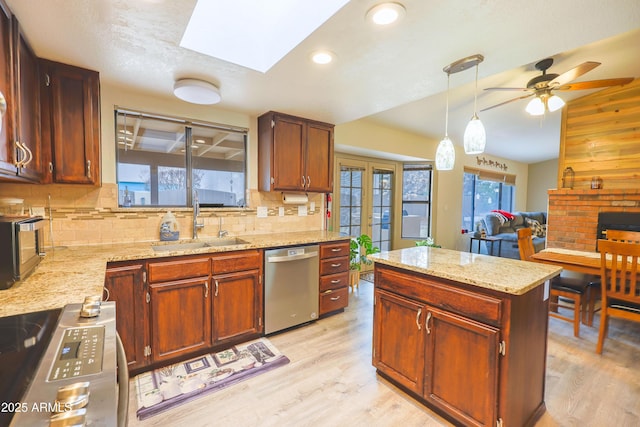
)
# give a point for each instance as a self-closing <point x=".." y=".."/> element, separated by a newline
<point x="593" y="84"/>
<point x="507" y="88"/>
<point x="574" y="73"/>
<point x="506" y="102"/>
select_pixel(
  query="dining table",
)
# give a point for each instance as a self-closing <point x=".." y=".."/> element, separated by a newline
<point x="569" y="259"/>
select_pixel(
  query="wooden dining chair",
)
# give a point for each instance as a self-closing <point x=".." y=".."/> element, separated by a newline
<point x="620" y="279"/>
<point x="624" y="236"/>
<point x="567" y="288"/>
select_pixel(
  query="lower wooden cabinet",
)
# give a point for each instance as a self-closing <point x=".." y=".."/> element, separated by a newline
<point x="179" y="317"/>
<point x="476" y="356"/>
<point x="124" y="283"/>
<point x="334" y="276"/>
<point x="172" y="308"/>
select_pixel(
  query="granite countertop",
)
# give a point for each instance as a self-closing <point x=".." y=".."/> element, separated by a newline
<point x="66" y="275"/>
<point x="500" y="274"/>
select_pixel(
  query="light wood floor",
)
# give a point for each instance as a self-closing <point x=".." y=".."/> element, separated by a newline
<point x="330" y="381"/>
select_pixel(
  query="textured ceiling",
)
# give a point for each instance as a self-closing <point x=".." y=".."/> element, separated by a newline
<point x="393" y="75"/>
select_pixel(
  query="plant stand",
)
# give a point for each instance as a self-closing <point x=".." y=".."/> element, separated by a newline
<point x="354" y="278"/>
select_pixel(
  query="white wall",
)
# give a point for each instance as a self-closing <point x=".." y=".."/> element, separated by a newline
<point x="542" y="177"/>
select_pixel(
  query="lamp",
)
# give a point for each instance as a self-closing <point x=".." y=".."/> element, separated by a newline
<point x="544" y="102"/>
<point x="446" y="153"/>
<point x="196" y="91"/>
<point x="475" y="138"/>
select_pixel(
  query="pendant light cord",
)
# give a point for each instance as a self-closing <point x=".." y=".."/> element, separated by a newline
<point x="475" y="96"/>
<point x="446" y="116"/>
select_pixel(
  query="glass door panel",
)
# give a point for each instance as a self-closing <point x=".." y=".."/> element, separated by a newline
<point x="351" y="200"/>
<point x="382" y="208"/>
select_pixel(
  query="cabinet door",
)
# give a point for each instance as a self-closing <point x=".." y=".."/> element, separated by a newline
<point x="289" y="137"/>
<point x="319" y="158"/>
<point x="462" y="367"/>
<point x="124" y="284"/>
<point x="399" y="339"/>
<point x="7" y="148"/>
<point x="70" y="97"/>
<point x="180" y="318"/>
<point x="236" y="306"/>
<point x="27" y="110"/>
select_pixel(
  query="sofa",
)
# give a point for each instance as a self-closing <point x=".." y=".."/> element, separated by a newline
<point x="502" y="225"/>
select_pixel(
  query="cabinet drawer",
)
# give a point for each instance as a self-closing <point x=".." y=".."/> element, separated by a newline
<point x="334" y="281"/>
<point x="334" y="265"/>
<point x="179" y="269"/>
<point x="333" y="250"/>
<point x="484" y="308"/>
<point x="236" y="261"/>
<point x="334" y="300"/>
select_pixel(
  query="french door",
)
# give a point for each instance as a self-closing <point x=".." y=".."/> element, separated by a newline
<point x="365" y="200"/>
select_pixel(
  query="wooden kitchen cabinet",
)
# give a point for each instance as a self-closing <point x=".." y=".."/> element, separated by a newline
<point x="179" y="307"/>
<point x="70" y="123"/>
<point x="295" y="154"/>
<point x="125" y="284"/>
<point x="473" y="355"/>
<point x="334" y="276"/>
<point x="20" y="141"/>
<point x="237" y="297"/>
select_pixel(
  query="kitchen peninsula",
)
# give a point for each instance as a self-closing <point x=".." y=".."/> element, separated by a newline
<point x="67" y="274"/>
<point x="465" y="334"/>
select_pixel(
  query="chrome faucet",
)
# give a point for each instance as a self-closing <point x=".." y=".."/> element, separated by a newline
<point x="196" y="212"/>
<point x="221" y="232"/>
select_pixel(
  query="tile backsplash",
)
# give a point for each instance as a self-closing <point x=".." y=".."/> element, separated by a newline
<point x="85" y="215"/>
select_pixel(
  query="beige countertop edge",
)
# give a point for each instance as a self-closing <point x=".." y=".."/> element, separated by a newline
<point x="505" y="275"/>
<point x="66" y="275"/>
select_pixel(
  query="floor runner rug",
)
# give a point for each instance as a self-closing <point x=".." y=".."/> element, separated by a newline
<point x="168" y="387"/>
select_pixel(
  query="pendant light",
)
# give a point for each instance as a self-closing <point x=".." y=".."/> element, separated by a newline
<point x="446" y="153"/>
<point x="475" y="138"/>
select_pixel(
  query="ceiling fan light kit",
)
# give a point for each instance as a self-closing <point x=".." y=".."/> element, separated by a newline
<point x="197" y="91"/>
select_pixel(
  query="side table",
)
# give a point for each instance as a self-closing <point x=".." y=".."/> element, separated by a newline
<point x="489" y="239"/>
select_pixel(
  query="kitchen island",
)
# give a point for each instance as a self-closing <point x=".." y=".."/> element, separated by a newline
<point x="67" y="274"/>
<point x="465" y="334"/>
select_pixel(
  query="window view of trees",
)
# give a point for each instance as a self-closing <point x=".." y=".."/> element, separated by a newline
<point x="480" y="197"/>
<point x="416" y="201"/>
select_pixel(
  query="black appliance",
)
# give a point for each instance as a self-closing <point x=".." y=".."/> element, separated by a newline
<point x="21" y="248"/>
<point x="62" y="367"/>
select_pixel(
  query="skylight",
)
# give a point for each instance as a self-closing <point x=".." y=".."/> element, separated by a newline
<point x="254" y="33"/>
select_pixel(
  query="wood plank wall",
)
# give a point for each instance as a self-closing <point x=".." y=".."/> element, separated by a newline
<point x="600" y="136"/>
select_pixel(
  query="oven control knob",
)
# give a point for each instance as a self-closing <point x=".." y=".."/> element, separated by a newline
<point x="91" y="307"/>
<point x="69" y="418"/>
<point x="71" y="397"/>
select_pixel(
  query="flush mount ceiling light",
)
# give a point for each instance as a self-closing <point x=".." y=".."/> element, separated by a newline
<point x="322" y="57"/>
<point x="385" y="13"/>
<point x="196" y="91"/>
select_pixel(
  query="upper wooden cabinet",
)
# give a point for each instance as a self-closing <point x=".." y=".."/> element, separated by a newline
<point x="295" y="154"/>
<point x="20" y="143"/>
<point x="70" y="123"/>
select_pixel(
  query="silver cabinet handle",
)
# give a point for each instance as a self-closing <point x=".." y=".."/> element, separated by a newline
<point x="206" y="289"/>
<point x="418" y="319"/>
<point x="334" y="281"/>
<point x="304" y="184"/>
<point x="88" y="168"/>
<point x="426" y="324"/>
<point x="336" y="265"/>
<point x="20" y="163"/>
<point x="50" y="167"/>
<point x="216" y="293"/>
<point x="308" y="181"/>
<point x="336" y="249"/>
<point x="105" y="289"/>
<point x="335" y="298"/>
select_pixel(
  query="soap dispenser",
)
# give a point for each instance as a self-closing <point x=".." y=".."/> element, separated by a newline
<point x="169" y="228"/>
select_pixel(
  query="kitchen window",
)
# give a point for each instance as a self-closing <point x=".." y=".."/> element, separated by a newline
<point x="161" y="161"/>
<point x="484" y="191"/>
<point x="416" y="200"/>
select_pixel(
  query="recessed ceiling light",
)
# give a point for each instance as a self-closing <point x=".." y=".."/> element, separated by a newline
<point x="196" y="91"/>
<point x="322" y="57"/>
<point x="385" y="13"/>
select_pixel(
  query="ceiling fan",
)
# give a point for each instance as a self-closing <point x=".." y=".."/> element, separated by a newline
<point x="543" y="86"/>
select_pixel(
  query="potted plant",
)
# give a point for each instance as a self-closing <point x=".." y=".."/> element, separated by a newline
<point x="361" y="247"/>
<point x="428" y="242"/>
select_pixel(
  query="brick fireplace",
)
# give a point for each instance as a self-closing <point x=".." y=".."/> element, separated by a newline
<point x="573" y="214"/>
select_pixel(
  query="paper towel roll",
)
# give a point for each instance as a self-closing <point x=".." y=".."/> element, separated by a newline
<point x="294" y="199"/>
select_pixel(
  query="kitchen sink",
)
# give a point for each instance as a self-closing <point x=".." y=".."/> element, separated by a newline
<point x="229" y="241"/>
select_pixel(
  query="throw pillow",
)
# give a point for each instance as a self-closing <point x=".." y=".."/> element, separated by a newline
<point x="536" y="228"/>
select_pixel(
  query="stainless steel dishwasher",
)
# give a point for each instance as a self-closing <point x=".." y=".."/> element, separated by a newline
<point x="290" y="287"/>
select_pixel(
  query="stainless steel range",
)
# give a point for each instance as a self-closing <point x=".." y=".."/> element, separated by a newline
<point x="61" y="367"/>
